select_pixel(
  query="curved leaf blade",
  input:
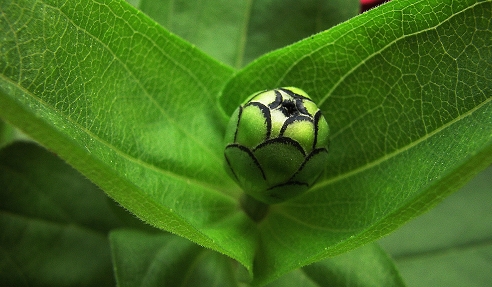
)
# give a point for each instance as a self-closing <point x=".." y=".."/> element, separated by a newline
<point x="406" y="89"/>
<point x="129" y="105"/>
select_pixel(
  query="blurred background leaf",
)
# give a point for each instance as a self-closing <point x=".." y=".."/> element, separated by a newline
<point x="53" y="222"/>
<point x="237" y="32"/>
<point x="160" y="259"/>
<point x="451" y="245"/>
<point x="7" y="133"/>
<point x="366" y="266"/>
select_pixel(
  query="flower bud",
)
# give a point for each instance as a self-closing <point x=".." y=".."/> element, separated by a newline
<point x="276" y="144"/>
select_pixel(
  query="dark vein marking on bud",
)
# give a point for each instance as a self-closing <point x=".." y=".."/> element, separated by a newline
<point x="308" y="158"/>
<point x="277" y="102"/>
<point x="301" y="108"/>
<point x="238" y="120"/>
<point x="282" y="140"/>
<point x="248" y="151"/>
<point x="254" y="96"/>
<point x="266" y="114"/>
<point x="292" y="120"/>
<point x="230" y="168"/>
<point x="317" y="117"/>
<point x="290" y="93"/>
<point x="294" y="95"/>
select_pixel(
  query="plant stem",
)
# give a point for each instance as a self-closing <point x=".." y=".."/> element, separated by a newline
<point x="257" y="210"/>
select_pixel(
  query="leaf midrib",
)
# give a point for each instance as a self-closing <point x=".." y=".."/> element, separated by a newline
<point x="187" y="180"/>
<point x="342" y="78"/>
<point x="400" y="150"/>
<point x="146" y="92"/>
<point x="363" y="61"/>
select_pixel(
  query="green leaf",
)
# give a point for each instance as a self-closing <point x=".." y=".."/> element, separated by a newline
<point x="236" y="32"/>
<point x="39" y="253"/>
<point x="274" y="24"/>
<point x="451" y="245"/>
<point x="47" y="235"/>
<point x="362" y="267"/>
<point x="143" y="259"/>
<point x="217" y="27"/>
<point x="406" y="90"/>
<point x="130" y="106"/>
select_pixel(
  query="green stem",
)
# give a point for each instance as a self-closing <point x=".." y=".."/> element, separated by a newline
<point x="257" y="210"/>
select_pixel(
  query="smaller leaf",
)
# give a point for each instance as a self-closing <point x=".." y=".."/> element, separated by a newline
<point x="35" y="252"/>
<point x="236" y="32"/>
<point x="363" y="267"/>
<point x="53" y="222"/>
<point x="162" y="259"/>
<point x="37" y="184"/>
<point x="366" y="266"/>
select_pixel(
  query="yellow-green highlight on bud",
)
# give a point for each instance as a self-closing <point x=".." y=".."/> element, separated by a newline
<point x="276" y="144"/>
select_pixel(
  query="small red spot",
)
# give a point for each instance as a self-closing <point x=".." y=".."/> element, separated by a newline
<point x="369" y="4"/>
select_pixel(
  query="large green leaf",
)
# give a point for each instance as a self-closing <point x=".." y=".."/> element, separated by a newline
<point x="406" y="89"/>
<point x="134" y="108"/>
<point x="129" y="105"/>
<point x="53" y="222"/>
<point x="238" y="31"/>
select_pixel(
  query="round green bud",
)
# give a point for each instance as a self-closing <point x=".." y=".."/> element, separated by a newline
<point x="276" y="144"/>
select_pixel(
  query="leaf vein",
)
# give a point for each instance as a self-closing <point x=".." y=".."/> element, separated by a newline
<point x="400" y="150"/>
